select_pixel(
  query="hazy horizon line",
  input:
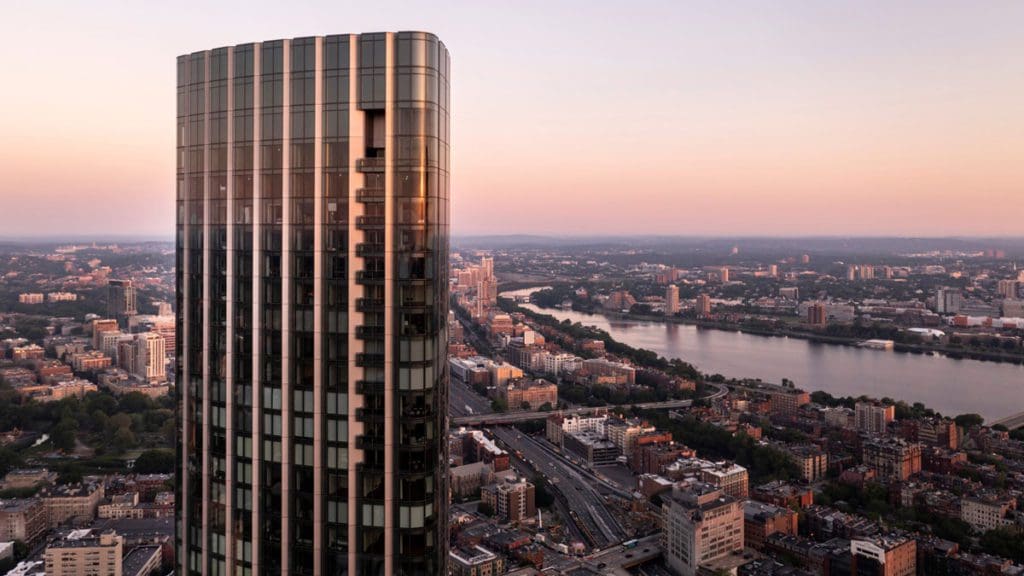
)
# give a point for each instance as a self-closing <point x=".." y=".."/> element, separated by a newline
<point x="108" y="237"/>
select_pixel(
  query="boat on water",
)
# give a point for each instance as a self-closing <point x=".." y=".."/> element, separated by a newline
<point x="878" y="344"/>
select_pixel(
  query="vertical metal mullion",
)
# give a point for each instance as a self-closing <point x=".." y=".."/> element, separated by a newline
<point x="286" y="315"/>
<point x="257" y="312"/>
<point x="206" y="314"/>
<point x="229" y="379"/>
<point x="318" y="293"/>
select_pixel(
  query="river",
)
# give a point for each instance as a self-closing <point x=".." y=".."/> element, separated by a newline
<point x="950" y="386"/>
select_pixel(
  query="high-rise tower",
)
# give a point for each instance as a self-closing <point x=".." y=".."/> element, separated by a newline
<point x="121" y="301"/>
<point x="312" y="210"/>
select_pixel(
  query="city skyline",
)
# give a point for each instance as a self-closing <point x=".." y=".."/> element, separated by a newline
<point x="799" y="119"/>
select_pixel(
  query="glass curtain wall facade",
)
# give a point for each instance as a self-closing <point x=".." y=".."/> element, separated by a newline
<point x="312" y="242"/>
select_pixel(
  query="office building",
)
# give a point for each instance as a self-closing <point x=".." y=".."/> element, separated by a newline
<point x="83" y="552"/>
<point x="100" y="327"/>
<point x="817" y="314"/>
<point x="165" y="328"/>
<point x="142" y="355"/>
<point x="312" y="262"/>
<point x="672" y="300"/>
<point x="487" y="267"/>
<point x="701" y="524"/>
<point x="873" y="417"/>
<point x="592" y="448"/>
<point x="703" y="305"/>
<point x="1007" y="289"/>
<point x="121" y="301"/>
<point x="947" y="301"/>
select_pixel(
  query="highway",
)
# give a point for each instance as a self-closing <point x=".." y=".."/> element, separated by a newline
<point x="461" y="395"/>
<point x="618" y="558"/>
<point x="585" y="504"/>
<point x="590" y="475"/>
<point x="497" y="419"/>
<point x="1011" y="422"/>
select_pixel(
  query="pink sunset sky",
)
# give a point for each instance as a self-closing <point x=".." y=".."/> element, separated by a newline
<point x="575" y="117"/>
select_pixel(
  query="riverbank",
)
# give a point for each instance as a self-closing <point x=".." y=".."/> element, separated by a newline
<point x="953" y="352"/>
<point x="949" y="385"/>
<point x="946" y="350"/>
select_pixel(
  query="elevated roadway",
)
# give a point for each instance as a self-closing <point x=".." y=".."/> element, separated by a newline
<point x="1011" y="422"/>
<point x="497" y="419"/>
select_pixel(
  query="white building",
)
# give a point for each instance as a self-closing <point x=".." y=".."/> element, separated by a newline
<point x="947" y="301"/>
<point x="672" y="300"/>
<point x="150" y="357"/>
<point x="562" y="363"/>
<point x="701" y="524"/>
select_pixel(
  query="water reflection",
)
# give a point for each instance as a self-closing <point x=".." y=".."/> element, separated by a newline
<point x="950" y="386"/>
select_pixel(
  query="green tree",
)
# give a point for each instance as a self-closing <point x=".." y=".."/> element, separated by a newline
<point x="102" y="402"/>
<point x="135" y="403"/>
<point x="1003" y="542"/>
<point x="169" y="432"/>
<point x="63" y="434"/>
<point x="124" y="439"/>
<point x="8" y="459"/>
<point x="155" y="462"/>
<point x="969" y="420"/>
<point x="120" y="420"/>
